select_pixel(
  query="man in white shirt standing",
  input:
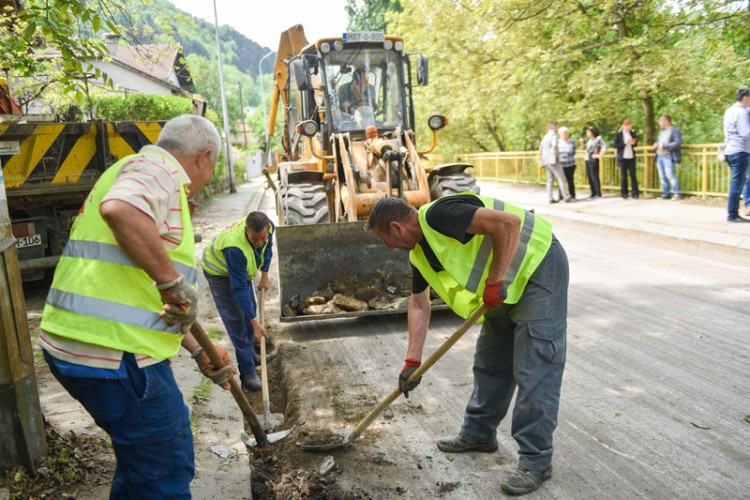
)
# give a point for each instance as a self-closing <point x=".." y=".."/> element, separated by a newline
<point x="737" y="141"/>
<point x="550" y="161"/>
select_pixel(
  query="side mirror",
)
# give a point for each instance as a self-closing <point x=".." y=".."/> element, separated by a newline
<point x="308" y="128"/>
<point x="300" y="70"/>
<point x="422" y="67"/>
<point x="436" y="122"/>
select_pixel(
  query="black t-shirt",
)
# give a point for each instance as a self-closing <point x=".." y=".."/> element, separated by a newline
<point x="451" y="217"/>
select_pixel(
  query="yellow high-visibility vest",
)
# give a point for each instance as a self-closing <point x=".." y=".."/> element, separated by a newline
<point x="465" y="266"/>
<point x="214" y="262"/>
<point x="100" y="296"/>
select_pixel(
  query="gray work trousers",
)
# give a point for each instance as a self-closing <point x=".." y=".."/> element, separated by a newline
<point x="556" y="171"/>
<point x="523" y="345"/>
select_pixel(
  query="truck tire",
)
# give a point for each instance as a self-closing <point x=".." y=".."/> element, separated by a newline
<point x="452" y="183"/>
<point x="304" y="203"/>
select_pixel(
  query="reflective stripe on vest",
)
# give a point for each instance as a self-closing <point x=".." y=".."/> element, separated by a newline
<point x="466" y="266"/>
<point x="213" y="260"/>
<point x="100" y="296"/>
<point x="94" y="250"/>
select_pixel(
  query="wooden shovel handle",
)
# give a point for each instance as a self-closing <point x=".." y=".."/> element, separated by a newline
<point x="234" y="387"/>
<point x="263" y="366"/>
<point x="365" y="423"/>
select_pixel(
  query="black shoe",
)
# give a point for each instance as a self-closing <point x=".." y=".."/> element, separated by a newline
<point x="737" y="218"/>
<point x="635" y="196"/>
<point x="524" y="481"/>
<point x="251" y="382"/>
<point x="552" y="200"/>
<point x="665" y="197"/>
<point x="460" y="444"/>
<point x="256" y="358"/>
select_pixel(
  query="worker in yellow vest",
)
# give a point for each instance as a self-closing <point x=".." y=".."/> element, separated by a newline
<point x="229" y="264"/>
<point x="471" y="250"/>
<point x="121" y="304"/>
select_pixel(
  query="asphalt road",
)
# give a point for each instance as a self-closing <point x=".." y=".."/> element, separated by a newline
<point x="654" y="393"/>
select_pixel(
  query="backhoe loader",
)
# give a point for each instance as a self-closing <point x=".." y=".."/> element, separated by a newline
<point x="348" y="141"/>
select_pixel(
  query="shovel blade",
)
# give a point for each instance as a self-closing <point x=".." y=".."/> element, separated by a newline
<point x="272" y="438"/>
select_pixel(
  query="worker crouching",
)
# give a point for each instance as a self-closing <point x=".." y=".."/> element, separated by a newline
<point x="471" y="250"/>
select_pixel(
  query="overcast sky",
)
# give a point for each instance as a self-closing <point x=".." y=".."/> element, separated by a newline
<point x="263" y="22"/>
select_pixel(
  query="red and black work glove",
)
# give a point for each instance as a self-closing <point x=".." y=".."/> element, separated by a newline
<point x="180" y="303"/>
<point x="494" y="294"/>
<point x="404" y="384"/>
<point x="219" y="376"/>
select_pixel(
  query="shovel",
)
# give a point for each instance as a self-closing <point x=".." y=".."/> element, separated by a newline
<point x="268" y="420"/>
<point x="365" y="423"/>
<point x="239" y="396"/>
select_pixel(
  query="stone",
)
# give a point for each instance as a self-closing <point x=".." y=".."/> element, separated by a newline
<point x="313" y="300"/>
<point x="349" y="303"/>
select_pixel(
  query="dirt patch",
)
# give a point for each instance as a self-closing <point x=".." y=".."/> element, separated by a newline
<point x="73" y="464"/>
<point x="313" y="439"/>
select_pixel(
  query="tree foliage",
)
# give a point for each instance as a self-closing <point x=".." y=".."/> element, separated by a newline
<point x="369" y="15"/>
<point x="137" y="107"/>
<point x="507" y="67"/>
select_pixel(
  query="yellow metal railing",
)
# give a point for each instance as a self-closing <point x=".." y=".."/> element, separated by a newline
<point x="700" y="173"/>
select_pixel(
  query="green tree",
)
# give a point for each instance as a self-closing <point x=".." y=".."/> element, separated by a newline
<point x="370" y="15"/>
<point x="507" y="67"/>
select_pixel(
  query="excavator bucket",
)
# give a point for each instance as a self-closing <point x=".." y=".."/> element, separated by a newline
<point x="311" y="255"/>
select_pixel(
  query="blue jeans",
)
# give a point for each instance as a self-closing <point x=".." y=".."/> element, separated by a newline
<point x="746" y="189"/>
<point x="738" y="162"/>
<point x="665" y="166"/>
<point x="148" y="423"/>
<point x="523" y="345"/>
<point x="235" y="320"/>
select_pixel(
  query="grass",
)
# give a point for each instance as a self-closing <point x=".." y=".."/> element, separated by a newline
<point x="214" y="334"/>
<point x="200" y="395"/>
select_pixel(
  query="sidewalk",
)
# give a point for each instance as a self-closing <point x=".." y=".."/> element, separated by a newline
<point x="677" y="219"/>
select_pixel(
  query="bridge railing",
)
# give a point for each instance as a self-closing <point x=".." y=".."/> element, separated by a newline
<point x="700" y="173"/>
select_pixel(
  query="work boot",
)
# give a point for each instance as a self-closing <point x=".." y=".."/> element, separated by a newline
<point x="524" y="481"/>
<point x="256" y="358"/>
<point x="251" y="382"/>
<point x="460" y="444"/>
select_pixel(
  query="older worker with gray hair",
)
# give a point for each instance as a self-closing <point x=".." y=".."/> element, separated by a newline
<point x="121" y="304"/>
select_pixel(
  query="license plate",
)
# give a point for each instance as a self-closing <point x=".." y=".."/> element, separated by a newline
<point x="29" y="241"/>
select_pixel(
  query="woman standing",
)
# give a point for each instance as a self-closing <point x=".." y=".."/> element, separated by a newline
<point x="625" y="141"/>
<point x="567" y="150"/>
<point x="595" y="149"/>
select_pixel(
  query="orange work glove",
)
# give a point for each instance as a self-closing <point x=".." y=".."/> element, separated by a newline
<point x="404" y="384"/>
<point x="219" y="376"/>
<point x="494" y="294"/>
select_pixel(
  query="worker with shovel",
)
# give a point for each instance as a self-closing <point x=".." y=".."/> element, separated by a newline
<point x="229" y="264"/>
<point x="131" y="254"/>
<point x="472" y="250"/>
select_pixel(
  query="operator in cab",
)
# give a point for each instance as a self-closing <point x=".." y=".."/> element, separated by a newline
<point x="358" y="92"/>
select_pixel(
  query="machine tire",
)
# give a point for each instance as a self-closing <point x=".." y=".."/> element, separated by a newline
<point x="452" y="183"/>
<point x="304" y="203"/>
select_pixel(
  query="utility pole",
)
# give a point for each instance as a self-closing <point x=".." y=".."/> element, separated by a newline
<point x="242" y="114"/>
<point x="23" y="441"/>
<point x="227" y="131"/>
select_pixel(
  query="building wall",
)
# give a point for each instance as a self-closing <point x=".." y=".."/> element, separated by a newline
<point x="128" y="80"/>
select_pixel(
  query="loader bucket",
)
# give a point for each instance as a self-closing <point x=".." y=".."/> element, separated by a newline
<point x="313" y="254"/>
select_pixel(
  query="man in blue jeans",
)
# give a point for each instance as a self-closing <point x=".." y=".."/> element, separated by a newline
<point x="122" y="302"/>
<point x="737" y="150"/>
<point x="229" y="264"/>
<point x="668" y="153"/>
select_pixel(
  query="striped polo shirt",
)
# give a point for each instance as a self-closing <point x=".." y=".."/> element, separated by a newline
<point x="151" y="184"/>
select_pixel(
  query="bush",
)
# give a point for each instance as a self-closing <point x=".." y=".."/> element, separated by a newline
<point x="138" y="107"/>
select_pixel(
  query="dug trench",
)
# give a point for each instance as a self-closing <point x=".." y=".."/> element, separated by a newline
<point x="283" y="470"/>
